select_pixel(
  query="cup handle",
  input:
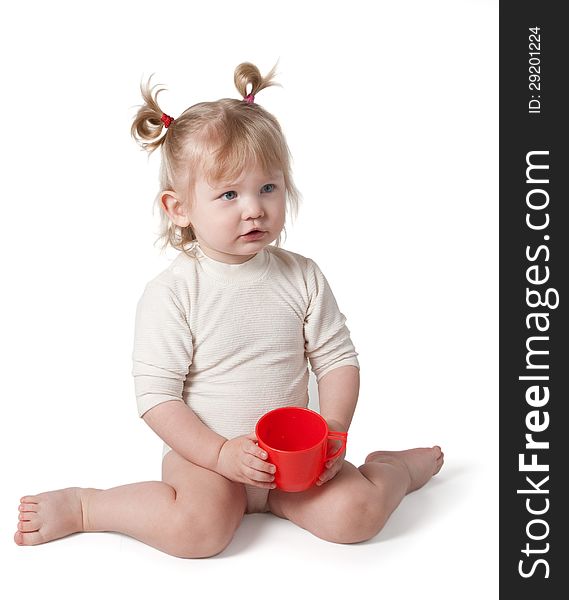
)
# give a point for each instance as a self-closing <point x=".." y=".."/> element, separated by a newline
<point x="338" y="435"/>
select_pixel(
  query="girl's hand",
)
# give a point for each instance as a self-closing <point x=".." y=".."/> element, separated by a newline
<point x="241" y="460"/>
<point x="332" y="468"/>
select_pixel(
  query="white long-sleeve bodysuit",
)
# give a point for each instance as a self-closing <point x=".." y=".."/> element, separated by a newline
<point x="232" y="341"/>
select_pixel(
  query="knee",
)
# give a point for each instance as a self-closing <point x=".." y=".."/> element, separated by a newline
<point x="358" y="516"/>
<point x="200" y="535"/>
<point x="212" y="538"/>
<point x="204" y="533"/>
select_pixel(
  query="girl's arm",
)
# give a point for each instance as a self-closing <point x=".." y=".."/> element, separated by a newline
<point x="177" y="424"/>
<point x="338" y="392"/>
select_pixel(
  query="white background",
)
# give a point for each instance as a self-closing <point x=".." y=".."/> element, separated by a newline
<point x="391" y="112"/>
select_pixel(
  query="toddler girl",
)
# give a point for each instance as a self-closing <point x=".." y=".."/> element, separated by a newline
<point x="224" y="335"/>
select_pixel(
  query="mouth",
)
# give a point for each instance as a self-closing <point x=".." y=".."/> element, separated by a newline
<point x="254" y="233"/>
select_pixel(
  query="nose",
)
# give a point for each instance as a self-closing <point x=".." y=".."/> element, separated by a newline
<point x="252" y="208"/>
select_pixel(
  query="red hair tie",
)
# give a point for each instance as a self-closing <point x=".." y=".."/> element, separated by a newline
<point x="249" y="99"/>
<point x="167" y="120"/>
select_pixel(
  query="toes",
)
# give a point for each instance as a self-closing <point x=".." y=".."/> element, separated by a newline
<point x="30" y="499"/>
<point x="28" y="539"/>
<point x="28" y="526"/>
<point x="439" y="463"/>
<point x="371" y="456"/>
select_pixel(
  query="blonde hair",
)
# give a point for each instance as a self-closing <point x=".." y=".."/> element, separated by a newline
<point x="218" y="139"/>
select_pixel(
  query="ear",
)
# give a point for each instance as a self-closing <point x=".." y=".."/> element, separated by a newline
<point x="174" y="208"/>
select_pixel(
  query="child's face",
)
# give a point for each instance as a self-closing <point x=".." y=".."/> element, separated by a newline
<point x="221" y="215"/>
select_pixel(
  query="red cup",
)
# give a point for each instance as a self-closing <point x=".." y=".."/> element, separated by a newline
<point x="296" y="440"/>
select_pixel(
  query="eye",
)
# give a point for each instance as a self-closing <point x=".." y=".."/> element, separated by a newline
<point x="270" y="185"/>
<point x="225" y="194"/>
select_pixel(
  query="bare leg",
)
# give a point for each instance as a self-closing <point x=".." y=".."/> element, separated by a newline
<point x="192" y="508"/>
<point x="397" y="473"/>
<point x="355" y="505"/>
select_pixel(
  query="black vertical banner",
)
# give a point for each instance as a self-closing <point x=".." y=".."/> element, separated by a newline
<point x="534" y="269"/>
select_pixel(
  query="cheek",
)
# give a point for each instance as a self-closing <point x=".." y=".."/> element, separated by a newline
<point x="216" y="215"/>
<point x="281" y="211"/>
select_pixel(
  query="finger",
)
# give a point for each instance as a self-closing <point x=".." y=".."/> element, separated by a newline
<point x="339" y="459"/>
<point x="334" y="461"/>
<point x="323" y="478"/>
<point x="256" y="475"/>
<point x="252" y="448"/>
<point x="257" y="460"/>
<point x="263" y="485"/>
<point x="334" y="446"/>
<point x="260" y="465"/>
<point x="329" y="473"/>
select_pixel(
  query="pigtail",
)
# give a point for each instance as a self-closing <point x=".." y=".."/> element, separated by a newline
<point x="147" y="125"/>
<point x="247" y="73"/>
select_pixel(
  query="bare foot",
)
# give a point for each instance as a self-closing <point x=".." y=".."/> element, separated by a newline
<point x="422" y="463"/>
<point x="49" y="516"/>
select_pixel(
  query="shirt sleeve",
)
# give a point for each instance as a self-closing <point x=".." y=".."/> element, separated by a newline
<point x="163" y="350"/>
<point x="327" y="339"/>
